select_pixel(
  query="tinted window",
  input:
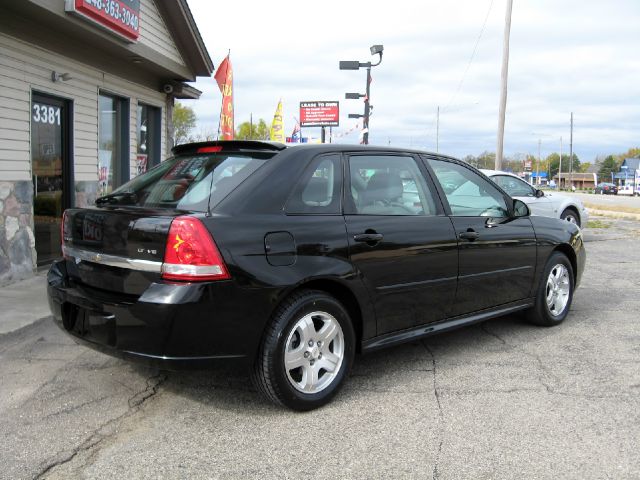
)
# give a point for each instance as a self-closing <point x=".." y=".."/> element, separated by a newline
<point x="190" y="182"/>
<point x="389" y="185"/>
<point x="468" y="194"/>
<point x="514" y="186"/>
<point x="318" y="191"/>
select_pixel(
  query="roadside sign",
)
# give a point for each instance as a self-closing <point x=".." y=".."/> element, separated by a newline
<point x="320" y="114"/>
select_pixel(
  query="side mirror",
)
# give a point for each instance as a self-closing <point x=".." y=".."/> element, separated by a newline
<point x="539" y="193"/>
<point x="520" y="209"/>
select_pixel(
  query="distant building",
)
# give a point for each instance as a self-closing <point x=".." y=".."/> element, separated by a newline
<point x="86" y="100"/>
<point x="537" y="178"/>
<point x="629" y="174"/>
<point x="579" y="180"/>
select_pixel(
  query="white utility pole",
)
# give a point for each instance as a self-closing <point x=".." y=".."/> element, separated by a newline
<point x="539" y="160"/>
<point x="503" y="91"/>
<point x="571" y="154"/>
<point x="560" y="167"/>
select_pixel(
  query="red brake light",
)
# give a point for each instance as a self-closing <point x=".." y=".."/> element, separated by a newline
<point x="191" y="254"/>
<point x="210" y="149"/>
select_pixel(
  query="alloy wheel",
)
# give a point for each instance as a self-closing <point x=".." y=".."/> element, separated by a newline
<point x="558" y="289"/>
<point x="314" y="352"/>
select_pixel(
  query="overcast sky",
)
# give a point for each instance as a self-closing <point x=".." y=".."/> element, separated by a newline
<point x="570" y="56"/>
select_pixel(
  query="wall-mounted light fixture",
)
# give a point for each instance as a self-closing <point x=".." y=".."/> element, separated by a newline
<point x="60" y="77"/>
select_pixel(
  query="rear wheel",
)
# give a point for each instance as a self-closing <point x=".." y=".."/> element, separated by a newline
<point x="571" y="216"/>
<point x="306" y="352"/>
<point x="555" y="292"/>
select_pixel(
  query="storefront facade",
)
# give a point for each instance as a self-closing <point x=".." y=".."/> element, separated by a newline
<point x="86" y="95"/>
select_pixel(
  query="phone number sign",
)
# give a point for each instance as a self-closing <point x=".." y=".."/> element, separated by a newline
<point x="118" y="16"/>
<point x="319" y="114"/>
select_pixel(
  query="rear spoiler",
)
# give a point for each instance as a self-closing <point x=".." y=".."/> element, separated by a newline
<point x="227" y="146"/>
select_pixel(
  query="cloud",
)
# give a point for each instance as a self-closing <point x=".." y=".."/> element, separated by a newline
<point x="565" y="57"/>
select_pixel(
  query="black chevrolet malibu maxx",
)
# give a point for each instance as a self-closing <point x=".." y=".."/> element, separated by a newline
<point x="293" y="259"/>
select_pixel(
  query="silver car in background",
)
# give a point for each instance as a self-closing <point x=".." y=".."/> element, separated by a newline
<point x="541" y="203"/>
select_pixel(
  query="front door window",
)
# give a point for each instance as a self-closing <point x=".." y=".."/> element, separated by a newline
<point x="50" y="170"/>
<point x="113" y="143"/>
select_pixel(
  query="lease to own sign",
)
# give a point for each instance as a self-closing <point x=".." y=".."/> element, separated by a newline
<point x="319" y="114"/>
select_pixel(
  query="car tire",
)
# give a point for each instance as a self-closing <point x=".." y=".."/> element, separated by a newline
<point x="307" y="351"/>
<point x="571" y="216"/>
<point x="555" y="292"/>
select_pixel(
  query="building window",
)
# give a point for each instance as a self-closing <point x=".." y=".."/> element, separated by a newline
<point x="148" y="142"/>
<point x="113" y="142"/>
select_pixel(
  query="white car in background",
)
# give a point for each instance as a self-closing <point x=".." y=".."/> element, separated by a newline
<point x="628" y="190"/>
<point x="541" y="203"/>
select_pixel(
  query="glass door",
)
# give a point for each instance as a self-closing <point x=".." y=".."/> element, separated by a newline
<point x="50" y="161"/>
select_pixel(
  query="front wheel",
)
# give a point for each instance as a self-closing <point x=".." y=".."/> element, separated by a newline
<point x="555" y="292"/>
<point x="570" y="216"/>
<point x="307" y="351"/>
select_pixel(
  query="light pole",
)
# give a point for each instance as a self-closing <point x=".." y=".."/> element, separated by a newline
<point x="356" y="65"/>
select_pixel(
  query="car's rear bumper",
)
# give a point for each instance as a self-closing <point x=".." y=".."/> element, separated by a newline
<point x="170" y="325"/>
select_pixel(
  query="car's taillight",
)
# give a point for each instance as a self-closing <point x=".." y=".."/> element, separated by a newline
<point x="191" y="254"/>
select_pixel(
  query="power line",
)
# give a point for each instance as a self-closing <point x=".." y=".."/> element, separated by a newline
<point x="466" y="70"/>
<point x="473" y="54"/>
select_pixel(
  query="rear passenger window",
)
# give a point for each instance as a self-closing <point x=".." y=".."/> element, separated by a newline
<point x="389" y="185"/>
<point x="318" y="191"/>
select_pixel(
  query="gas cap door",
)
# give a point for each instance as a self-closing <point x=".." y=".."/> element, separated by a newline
<point x="280" y="248"/>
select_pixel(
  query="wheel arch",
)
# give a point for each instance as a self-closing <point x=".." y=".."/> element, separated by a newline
<point x="571" y="255"/>
<point x="574" y="209"/>
<point x="343" y="294"/>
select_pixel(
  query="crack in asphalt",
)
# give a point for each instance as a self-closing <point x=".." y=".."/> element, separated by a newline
<point x="73" y="408"/>
<point x="135" y="403"/>
<point x="544" y="372"/>
<point x="440" y="412"/>
<point x="485" y="329"/>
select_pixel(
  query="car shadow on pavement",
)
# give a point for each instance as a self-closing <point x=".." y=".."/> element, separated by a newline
<point x="404" y="368"/>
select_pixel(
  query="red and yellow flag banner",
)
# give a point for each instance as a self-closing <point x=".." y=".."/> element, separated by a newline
<point x="224" y="77"/>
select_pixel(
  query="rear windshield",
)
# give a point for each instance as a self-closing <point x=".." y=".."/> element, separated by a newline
<point x="185" y="182"/>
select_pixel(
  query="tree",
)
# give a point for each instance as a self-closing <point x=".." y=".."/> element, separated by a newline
<point x="631" y="153"/>
<point x="553" y="163"/>
<point x="471" y="160"/>
<point x="609" y="165"/>
<point x="486" y="160"/>
<point x="257" y="131"/>
<point x="584" y="167"/>
<point x="184" y="121"/>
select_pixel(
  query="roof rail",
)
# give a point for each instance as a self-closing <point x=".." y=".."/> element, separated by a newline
<point x="234" y="145"/>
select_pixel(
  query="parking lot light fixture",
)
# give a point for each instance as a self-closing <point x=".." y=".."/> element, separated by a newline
<point x="349" y="65"/>
<point x="355" y="65"/>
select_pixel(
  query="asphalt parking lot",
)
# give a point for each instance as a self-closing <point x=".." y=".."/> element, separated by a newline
<point x="501" y="399"/>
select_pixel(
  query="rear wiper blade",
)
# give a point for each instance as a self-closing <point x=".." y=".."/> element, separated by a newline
<point x="118" y="198"/>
